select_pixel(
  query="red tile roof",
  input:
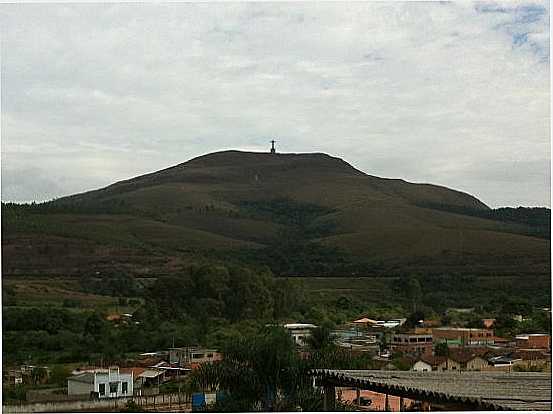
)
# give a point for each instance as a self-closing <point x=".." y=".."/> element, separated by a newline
<point x="136" y="371"/>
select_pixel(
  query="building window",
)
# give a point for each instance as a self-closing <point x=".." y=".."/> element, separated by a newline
<point x="210" y="355"/>
<point x="124" y="387"/>
<point x="102" y="389"/>
<point x="113" y="387"/>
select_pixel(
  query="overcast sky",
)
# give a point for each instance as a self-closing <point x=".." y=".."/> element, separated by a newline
<point x="455" y="94"/>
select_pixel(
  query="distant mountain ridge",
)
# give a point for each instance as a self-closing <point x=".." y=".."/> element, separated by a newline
<point x="281" y="210"/>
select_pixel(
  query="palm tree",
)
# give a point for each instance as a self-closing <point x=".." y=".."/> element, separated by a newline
<point x="261" y="371"/>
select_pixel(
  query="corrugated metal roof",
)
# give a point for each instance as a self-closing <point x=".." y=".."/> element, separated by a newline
<point x="150" y="373"/>
<point x="487" y="390"/>
<point x="136" y="371"/>
<point x="87" y="378"/>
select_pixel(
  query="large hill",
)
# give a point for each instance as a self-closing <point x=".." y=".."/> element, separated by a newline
<point x="309" y="214"/>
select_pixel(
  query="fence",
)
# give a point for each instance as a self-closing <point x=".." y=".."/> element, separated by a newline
<point x="108" y="404"/>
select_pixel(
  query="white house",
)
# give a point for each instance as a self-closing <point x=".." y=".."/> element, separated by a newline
<point x="105" y="383"/>
<point x="392" y="323"/>
<point x="300" y="332"/>
<point x="422" y="366"/>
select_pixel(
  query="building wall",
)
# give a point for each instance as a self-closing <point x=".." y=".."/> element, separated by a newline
<point x="499" y="368"/>
<point x="534" y="342"/>
<point x="202" y="356"/>
<point x="449" y="365"/>
<point x="422" y="366"/>
<point x="476" y="364"/>
<point x="300" y="336"/>
<point x="114" y="378"/>
<point x="412" y="343"/>
<point x="378" y="400"/>
<point x="425" y="349"/>
<point x="193" y="356"/>
<point x="105" y="405"/>
<point x="79" y="388"/>
<point x="455" y="336"/>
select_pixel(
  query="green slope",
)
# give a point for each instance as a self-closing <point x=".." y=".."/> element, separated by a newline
<point x="230" y="205"/>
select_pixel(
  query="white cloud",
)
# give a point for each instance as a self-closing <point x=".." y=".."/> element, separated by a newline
<point x="450" y="93"/>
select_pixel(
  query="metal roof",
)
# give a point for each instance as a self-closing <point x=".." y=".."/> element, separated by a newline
<point x="150" y="373"/>
<point x="483" y="390"/>
<point x="87" y="378"/>
<point x="300" y="326"/>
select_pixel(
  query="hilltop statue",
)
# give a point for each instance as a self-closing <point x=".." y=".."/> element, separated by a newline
<point x="273" y="150"/>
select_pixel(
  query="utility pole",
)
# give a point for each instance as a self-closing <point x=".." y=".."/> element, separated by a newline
<point x="178" y="376"/>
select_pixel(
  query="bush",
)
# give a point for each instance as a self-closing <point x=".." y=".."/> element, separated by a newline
<point x="71" y="303"/>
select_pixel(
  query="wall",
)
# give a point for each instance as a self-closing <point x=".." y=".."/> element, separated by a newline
<point x="114" y="377"/>
<point x="422" y="366"/>
<point x="349" y="395"/>
<point x="79" y="388"/>
<point x="98" y="405"/>
<point x="534" y="342"/>
<point x="450" y="365"/>
<point x="477" y="364"/>
<point x="463" y="336"/>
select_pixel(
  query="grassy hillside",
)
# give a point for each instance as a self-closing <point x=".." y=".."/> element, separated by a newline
<point x="299" y="214"/>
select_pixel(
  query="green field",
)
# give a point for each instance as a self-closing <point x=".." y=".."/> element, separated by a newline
<point x="448" y="291"/>
<point x="58" y="291"/>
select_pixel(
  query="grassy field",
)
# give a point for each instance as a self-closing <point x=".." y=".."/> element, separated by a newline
<point x="453" y="291"/>
<point x="57" y="291"/>
<point x="368" y="290"/>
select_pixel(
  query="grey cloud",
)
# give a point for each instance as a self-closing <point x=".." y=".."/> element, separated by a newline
<point x="28" y="184"/>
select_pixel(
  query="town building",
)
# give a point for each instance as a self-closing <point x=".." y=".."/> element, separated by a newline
<point x="356" y="342"/>
<point x="411" y="343"/>
<point x="488" y="322"/>
<point x="102" y="383"/>
<point x="12" y="376"/>
<point x="457" y="360"/>
<point x="455" y="337"/>
<point x="192" y="357"/>
<point x="425" y="364"/>
<point x="533" y="341"/>
<point x="170" y="371"/>
<point x="503" y="363"/>
<point x="300" y="332"/>
<point x="373" y="323"/>
<point x="26" y="374"/>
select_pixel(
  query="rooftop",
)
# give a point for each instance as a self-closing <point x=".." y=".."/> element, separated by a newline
<point x="480" y="390"/>
<point x="300" y="326"/>
<point x="87" y="378"/>
<point x="450" y="328"/>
